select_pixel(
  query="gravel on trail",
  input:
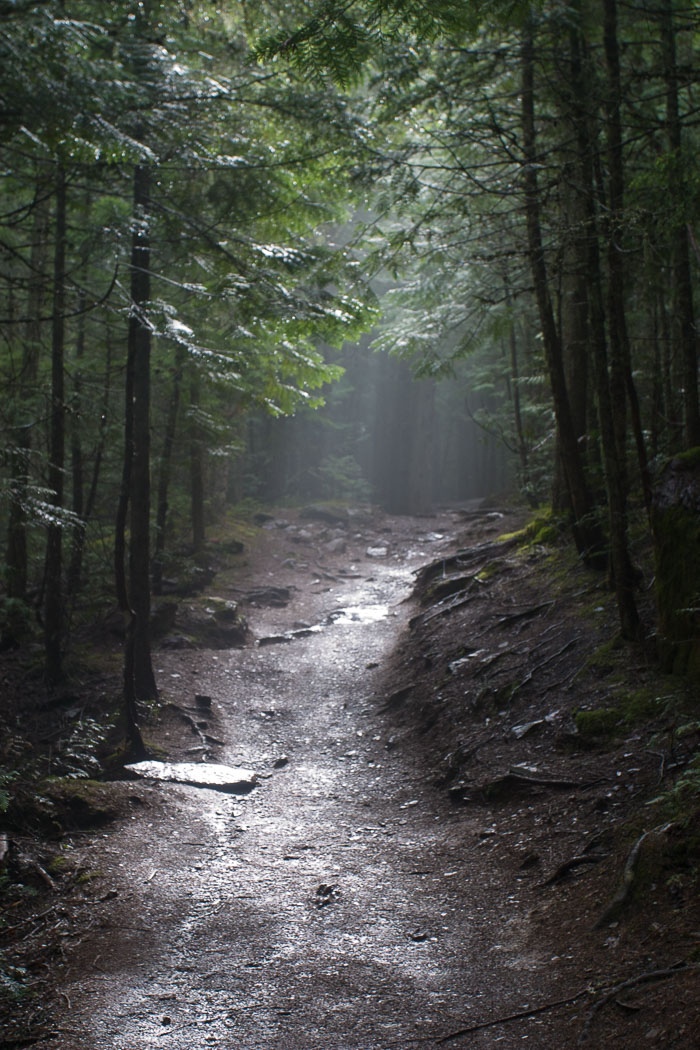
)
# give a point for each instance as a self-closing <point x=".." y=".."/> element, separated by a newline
<point x="343" y="903"/>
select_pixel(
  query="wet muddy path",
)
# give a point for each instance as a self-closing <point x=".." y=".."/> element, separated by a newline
<point x="343" y="903"/>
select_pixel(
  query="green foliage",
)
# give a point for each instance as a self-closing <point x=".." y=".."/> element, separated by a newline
<point x="341" y="478"/>
<point x="340" y="37"/>
<point x="6" y="778"/>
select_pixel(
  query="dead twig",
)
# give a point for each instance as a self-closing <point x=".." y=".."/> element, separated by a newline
<point x="644" y="978"/>
<point x="519" y="1016"/>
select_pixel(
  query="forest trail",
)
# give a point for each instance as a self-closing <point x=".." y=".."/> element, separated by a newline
<point x="343" y="903"/>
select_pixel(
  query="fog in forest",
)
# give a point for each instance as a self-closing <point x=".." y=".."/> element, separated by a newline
<point x="406" y="444"/>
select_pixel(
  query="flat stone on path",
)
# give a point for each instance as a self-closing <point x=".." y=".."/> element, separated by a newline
<point x="213" y="775"/>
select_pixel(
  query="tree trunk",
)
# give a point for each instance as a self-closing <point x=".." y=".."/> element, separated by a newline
<point x="20" y="459"/>
<point x="164" y="474"/>
<point x="76" y="455"/>
<point x="140" y="352"/>
<point x="196" y="468"/>
<point x="621" y="359"/>
<point x="610" y="396"/>
<point x="683" y="314"/>
<point x="53" y="611"/>
<point x="76" y="564"/>
<point x="589" y="540"/>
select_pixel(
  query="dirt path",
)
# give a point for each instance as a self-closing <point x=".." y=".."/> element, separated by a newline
<point x="343" y="903"/>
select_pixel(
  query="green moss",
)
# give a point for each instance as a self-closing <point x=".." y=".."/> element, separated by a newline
<point x="641" y="706"/>
<point x="689" y="459"/>
<point x="629" y="710"/>
<point x="601" y="724"/>
<point x="492" y="568"/>
<point x="88" y="876"/>
<point x="58" y="865"/>
<point x="543" y="530"/>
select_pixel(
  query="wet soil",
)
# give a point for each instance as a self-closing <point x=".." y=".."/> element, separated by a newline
<point x="385" y="884"/>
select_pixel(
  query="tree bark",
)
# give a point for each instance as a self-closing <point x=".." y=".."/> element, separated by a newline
<point x="622" y="378"/>
<point x="53" y="610"/>
<point x="140" y="352"/>
<point x="196" y="468"/>
<point x="610" y="391"/>
<point x="76" y="455"/>
<point x="164" y="474"/>
<point x="587" y="534"/>
<point x="17" y="570"/>
<point x="683" y="314"/>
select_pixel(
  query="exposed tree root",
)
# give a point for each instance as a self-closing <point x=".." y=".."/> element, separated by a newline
<point x="644" y="978"/>
<point x="627" y="881"/>
<point x="519" y="1016"/>
<point x="574" y="862"/>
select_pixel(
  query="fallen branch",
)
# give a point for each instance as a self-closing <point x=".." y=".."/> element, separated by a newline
<point x="645" y="978"/>
<point x="511" y="1017"/>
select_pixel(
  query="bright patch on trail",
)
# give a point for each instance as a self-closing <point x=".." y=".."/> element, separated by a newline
<point x="231" y="779"/>
<point x="358" y="614"/>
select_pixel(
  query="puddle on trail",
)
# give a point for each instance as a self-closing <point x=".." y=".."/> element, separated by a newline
<point x="350" y="615"/>
<point x="359" y="614"/>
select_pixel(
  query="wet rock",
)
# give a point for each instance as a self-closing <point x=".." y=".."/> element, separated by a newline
<point x="377" y="552"/>
<point x="177" y="641"/>
<point x="331" y="515"/>
<point x="276" y="597"/>
<point x="527" y="727"/>
<point x="222" y="610"/>
<point x="211" y="623"/>
<point x="326" y="894"/>
<point x="398" y="698"/>
<point x="203" y="701"/>
<point x="280" y="762"/>
<point x="418" y="936"/>
<point x="230" y="779"/>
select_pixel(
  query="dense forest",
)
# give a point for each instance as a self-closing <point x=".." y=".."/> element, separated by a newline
<point x="394" y="254"/>
<point x="205" y="208"/>
<point x="383" y="251"/>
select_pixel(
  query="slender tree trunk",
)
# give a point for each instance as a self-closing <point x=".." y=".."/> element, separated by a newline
<point x="621" y="359"/>
<point x="684" y="330"/>
<point x="140" y="347"/>
<point x="587" y="533"/>
<point x="16" y="557"/>
<point x="120" y="574"/>
<point x="610" y="396"/>
<point x="76" y="455"/>
<point x="77" y="552"/>
<point x="196" y="468"/>
<point x="164" y="474"/>
<point x="525" y="481"/>
<point x="53" y="611"/>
